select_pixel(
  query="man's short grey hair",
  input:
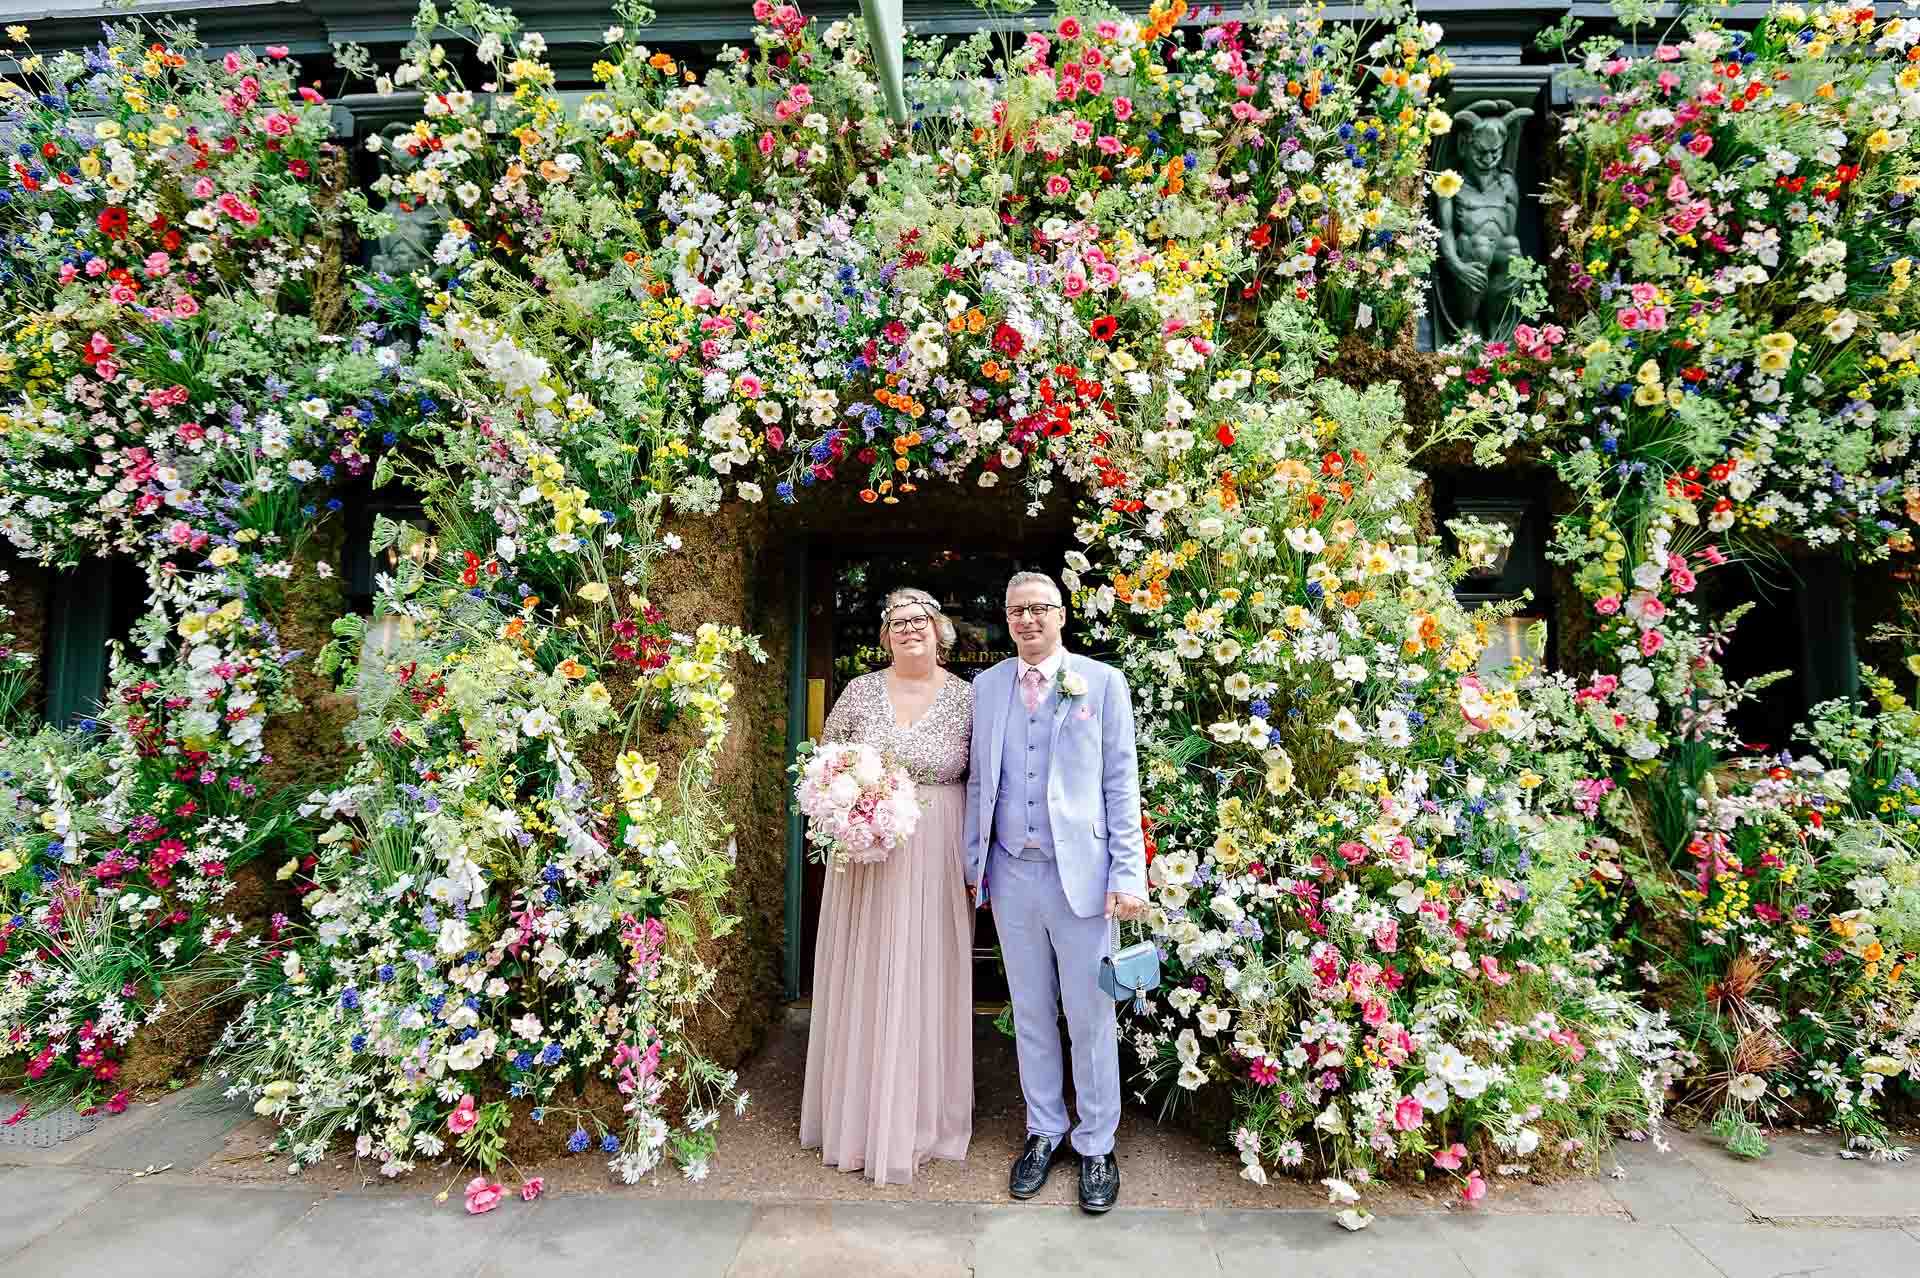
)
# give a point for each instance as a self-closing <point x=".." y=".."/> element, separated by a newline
<point x="1020" y="579"/>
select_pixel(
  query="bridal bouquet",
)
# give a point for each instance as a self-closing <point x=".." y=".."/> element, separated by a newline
<point x="858" y="807"/>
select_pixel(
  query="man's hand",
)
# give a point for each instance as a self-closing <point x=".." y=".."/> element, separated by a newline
<point x="1125" y="908"/>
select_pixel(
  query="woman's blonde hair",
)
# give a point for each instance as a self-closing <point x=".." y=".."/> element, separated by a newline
<point x="944" y="635"/>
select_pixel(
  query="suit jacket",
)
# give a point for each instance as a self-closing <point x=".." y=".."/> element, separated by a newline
<point x="1093" y="786"/>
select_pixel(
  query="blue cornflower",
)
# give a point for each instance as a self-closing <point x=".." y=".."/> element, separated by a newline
<point x="539" y="1114"/>
<point x="358" y="1043"/>
<point x="552" y="895"/>
<point x="550" y="874"/>
<point x="551" y="1054"/>
<point x="524" y="1061"/>
<point x="1260" y="707"/>
<point x="350" y="999"/>
<point x="385" y="973"/>
<point x="516" y="1090"/>
<point x="578" y="1142"/>
<point x="333" y="503"/>
<point x="437" y="1003"/>
<point x="784" y="491"/>
<point x="610" y="1144"/>
<point x="388" y="437"/>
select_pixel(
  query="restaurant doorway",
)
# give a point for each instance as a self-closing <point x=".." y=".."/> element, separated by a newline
<point x="845" y="585"/>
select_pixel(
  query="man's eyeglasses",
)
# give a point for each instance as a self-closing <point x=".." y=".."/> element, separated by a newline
<point x="909" y="625"/>
<point x="1020" y="612"/>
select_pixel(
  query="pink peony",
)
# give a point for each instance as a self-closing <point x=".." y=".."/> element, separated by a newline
<point x="532" y="1188"/>
<point x="463" y="1119"/>
<point x="482" y="1195"/>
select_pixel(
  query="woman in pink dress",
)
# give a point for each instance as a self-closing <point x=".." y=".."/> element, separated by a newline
<point x="890" y="1052"/>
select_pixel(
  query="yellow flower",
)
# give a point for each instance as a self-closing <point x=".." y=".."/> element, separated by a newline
<point x="16" y="32"/>
<point x="222" y="556"/>
<point x="1446" y="184"/>
<point x="594" y="592"/>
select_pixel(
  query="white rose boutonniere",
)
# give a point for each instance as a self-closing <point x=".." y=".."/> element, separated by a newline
<point x="1073" y="684"/>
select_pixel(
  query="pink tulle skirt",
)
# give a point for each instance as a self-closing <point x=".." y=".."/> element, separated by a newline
<point x="890" y="1049"/>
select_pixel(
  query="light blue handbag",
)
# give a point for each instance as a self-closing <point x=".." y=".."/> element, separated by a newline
<point x="1132" y="973"/>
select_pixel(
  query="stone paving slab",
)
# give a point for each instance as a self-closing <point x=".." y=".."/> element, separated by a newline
<point x="159" y="1229"/>
<point x="1805" y="1179"/>
<point x="1570" y="1247"/>
<point x="1801" y="1251"/>
<point x="1669" y="1187"/>
<point x="36" y="1201"/>
<point x="1017" y="1241"/>
<point x="609" y="1234"/>
<point x="837" y="1240"/>
<point x="1308" y="1245"/>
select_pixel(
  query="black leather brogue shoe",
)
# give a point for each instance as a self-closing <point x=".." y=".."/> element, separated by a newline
<point x="1099" y="1182"/>
<point x="1031" y="1168"/>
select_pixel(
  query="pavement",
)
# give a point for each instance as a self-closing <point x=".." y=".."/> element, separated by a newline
<point x="183" y="1186"/>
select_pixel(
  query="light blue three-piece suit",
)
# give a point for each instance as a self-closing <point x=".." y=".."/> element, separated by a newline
<point x="1052" y="826"/>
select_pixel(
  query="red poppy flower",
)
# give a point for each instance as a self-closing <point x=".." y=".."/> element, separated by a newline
<point x="1224" y="435"/>
<point x="1103" y="329"/>
<point x="113" y="221"/>
<point x="1007" y="340"/>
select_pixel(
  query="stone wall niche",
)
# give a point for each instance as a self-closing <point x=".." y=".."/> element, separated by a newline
<point x="1493" y="219"/>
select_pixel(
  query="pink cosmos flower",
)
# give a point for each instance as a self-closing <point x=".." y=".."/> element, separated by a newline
<point x="483" y="1195"/>
<point x="238" y="209"/>
<point x="1408" y="1114"/>
<point x="463" y="1119"/>
<point x="1451" y="1158"/>
<point x="1475" y="1189"/>
<point x="532" y="1188"/>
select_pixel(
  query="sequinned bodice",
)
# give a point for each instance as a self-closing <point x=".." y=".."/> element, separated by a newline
<point x="933" y="750"/>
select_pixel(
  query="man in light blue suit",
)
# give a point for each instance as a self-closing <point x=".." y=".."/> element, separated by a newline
<point x="1054" y="844"/>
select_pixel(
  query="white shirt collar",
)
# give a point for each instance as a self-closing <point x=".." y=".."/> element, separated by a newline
<point x="1050" y="668"/>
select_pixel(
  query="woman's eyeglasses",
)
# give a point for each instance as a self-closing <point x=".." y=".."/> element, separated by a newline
<point x="1020" y="612"/>
<point x="909" y="625"/>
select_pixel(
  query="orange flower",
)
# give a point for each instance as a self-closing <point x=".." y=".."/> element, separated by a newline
<point x="571" y="669"/>
<point x="869" y="496"/>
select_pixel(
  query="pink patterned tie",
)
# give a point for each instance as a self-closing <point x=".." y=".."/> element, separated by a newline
<point x="1030" y="686"/>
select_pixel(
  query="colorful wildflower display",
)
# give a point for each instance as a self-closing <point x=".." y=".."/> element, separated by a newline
<point x="1117" y="255"/>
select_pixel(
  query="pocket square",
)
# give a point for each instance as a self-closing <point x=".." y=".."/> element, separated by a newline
<point x="1083" y="713"/>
